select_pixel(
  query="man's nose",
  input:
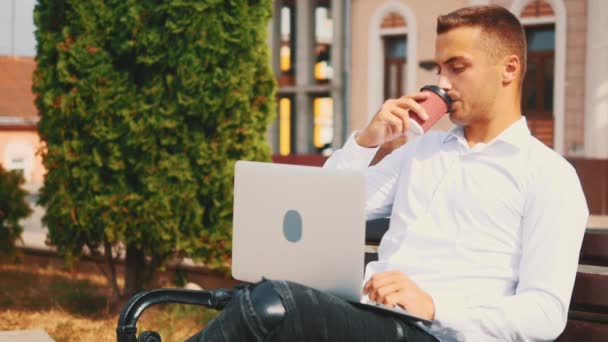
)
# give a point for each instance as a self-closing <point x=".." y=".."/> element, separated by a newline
<point x="444" y="83"/>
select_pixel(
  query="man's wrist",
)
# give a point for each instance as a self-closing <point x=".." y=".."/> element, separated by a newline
<point x="363" y="140"/>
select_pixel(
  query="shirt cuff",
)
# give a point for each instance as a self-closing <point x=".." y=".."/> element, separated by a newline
<point x="365" y="154"/>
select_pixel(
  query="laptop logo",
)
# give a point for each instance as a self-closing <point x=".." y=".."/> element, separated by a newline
<point x="292" y="226"/>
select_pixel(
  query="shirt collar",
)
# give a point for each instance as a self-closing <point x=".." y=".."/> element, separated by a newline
<point x="455" y="133"/>
<point x="514" y="135"/>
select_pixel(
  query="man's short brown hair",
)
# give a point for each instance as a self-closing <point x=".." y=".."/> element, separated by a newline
<point x="502" y="31"/>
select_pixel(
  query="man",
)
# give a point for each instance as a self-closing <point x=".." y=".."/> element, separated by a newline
<point x="486" y="222"/>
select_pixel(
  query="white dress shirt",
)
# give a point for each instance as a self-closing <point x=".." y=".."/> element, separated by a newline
<point x="491" y="232"/>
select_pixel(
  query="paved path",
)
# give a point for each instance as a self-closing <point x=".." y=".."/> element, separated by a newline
<point x="25" y="336"/>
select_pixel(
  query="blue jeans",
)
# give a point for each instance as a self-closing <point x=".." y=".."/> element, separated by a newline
<point x="308" y="315"/>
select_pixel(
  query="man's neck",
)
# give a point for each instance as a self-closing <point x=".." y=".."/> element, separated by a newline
<point x="484" y="131"/>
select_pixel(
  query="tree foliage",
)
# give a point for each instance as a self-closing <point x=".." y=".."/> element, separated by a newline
<point x="145" y="107"/>
<point x="13" y="208"/>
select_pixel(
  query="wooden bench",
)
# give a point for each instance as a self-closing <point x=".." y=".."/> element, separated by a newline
<point x="587" y="319"/>
<point x="588" y="316"/>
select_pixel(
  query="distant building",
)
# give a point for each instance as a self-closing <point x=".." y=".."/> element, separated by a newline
<point x="19" y="141"/>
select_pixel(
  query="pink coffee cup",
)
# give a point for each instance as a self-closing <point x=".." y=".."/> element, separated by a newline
<point x="436" y="105"/>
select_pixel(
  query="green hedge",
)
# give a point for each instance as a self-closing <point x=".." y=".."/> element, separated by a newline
<point x="145" y="107"/>
<point x="12" y="209"/>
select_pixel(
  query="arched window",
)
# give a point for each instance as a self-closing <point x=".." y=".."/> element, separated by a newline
<point x="391" y="27"/>
<point x="394" y="38"/>
<point x="392" y="60"/>
<point x="547" y="15"/>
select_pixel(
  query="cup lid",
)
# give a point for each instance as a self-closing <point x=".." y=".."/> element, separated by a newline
<point x="442" y="93"/>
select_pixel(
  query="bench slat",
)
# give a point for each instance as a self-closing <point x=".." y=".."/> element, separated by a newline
<point x="595" y="248"/>
<point x="370" y="257"/>
<point x="590" y="292"/>
<point x="375" y="229"/>
<point x="577" y="331"/>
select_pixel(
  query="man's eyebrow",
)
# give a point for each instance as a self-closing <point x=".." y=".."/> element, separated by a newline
<point x="437" y="66"/>
<point x="454" y="59"/>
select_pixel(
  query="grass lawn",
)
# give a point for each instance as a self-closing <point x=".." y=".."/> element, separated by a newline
<point x="72" y="304"/>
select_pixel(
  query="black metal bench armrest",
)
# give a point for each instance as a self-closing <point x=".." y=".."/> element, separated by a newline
<point x="126" y="329"/>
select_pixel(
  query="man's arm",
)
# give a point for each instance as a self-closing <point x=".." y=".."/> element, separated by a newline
<point x="389" y="123"/>
<point x="381" y="179"/>
<point x="553" y="226"/>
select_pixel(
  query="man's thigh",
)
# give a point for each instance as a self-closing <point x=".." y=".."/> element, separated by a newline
<point x="309" y="315"/>
<point x="319" y="316"/>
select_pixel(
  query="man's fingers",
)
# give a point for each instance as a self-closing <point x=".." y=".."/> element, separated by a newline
<point x="392" y="299"/>
<point x="396" y="288"/>
<point x="419" y="96"/>
<point x="392" y="119"/>
<point x="401" y="112"/>
<point x="382" y="279"/>
<point x="412" y="105"/>
<point x="380" y="294"/>
<point x="403" y="115"/>
<point x="395" y="125"/>
<point x="375" y="283"/>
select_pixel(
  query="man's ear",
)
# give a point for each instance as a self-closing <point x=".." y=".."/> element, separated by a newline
<point x="511" y="68"/>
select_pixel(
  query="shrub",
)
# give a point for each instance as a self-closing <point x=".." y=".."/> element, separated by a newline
<point x="12" y="209"/>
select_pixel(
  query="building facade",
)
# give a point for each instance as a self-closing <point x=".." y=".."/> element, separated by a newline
<point x="389" y="44"/>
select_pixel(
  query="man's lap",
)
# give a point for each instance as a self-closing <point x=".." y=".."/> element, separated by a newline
<point x="309" y="315"/>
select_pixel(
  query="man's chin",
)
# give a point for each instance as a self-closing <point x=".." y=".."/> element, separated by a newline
<point x="456" y="118"/>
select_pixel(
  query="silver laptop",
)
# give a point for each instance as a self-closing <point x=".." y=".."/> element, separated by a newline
<point x="302" y="224"/>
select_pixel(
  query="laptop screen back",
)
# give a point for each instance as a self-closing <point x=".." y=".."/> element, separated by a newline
<point x="299" y="223"/>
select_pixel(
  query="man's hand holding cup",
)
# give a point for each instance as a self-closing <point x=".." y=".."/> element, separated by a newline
<point x="416" y="112"/>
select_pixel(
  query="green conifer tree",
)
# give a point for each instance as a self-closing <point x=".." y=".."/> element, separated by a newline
<point x="145" y="107"/>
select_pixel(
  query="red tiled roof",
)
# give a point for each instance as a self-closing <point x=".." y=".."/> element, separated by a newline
<point x="16" y="97"/>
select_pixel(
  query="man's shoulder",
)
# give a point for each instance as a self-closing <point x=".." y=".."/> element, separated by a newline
<point x="545" y="157"/>
<point x="551" y="179"/>
<point x="547" y="165"/>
